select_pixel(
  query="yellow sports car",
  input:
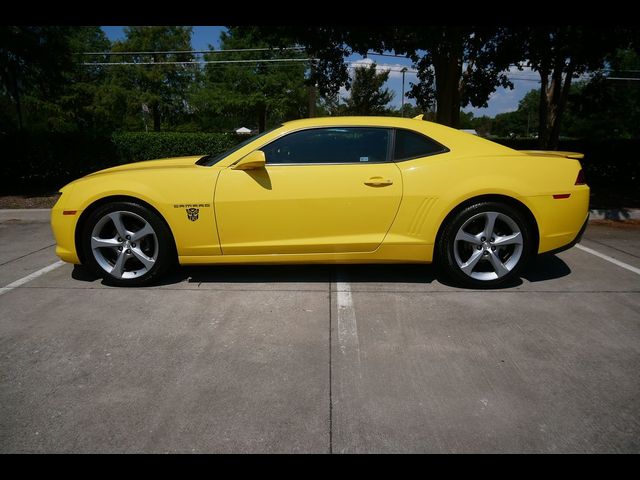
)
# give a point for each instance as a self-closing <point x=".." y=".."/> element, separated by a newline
<point x="329" y="190"/>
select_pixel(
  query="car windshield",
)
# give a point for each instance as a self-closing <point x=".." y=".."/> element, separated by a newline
<point x="209" y="161"/>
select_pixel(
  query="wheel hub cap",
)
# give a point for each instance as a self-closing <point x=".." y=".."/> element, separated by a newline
<point x="124" y="244"/>
<point x="488" y="246"/>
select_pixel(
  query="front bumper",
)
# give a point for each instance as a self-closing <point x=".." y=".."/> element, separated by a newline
<point x="64" y="228"/>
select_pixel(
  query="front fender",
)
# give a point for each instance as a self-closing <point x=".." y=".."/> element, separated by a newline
<point x="171" y="193"/>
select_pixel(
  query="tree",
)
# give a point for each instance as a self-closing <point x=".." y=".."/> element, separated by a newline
<point x="261" y="92"/>
<point x="32" y="59"/>
<point x="456" y="65"/>
<point x="408" y="110"/>
<point x="368" y="95"/>
<point x="560" y="53"/>
<point x="521" y="123"/>
<point x="80" y="103"/>
<point x="160" y="87"/>
<point x="606" y="105"/>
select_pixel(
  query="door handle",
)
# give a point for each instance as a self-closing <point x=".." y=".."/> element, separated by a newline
<point x="378" y="182"/>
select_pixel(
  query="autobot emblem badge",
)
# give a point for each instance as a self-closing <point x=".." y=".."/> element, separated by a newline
<point x="192" y="214"/>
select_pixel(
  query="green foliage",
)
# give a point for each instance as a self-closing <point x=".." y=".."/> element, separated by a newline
<point x="42" y="159"/>
<point x="602" y="108"/>
<point x="439" y="53"/>
<point x="599" y="168"/>
<point x="132" y="147"/>
<point x="260" y="94"/>
<point x="368" y="95"/>
<point x="521" y="123"/>
<point x="408" y="111"/>
<point x="150" y="96"/>
<point x="33" y="60"/>
<point x="560" y="53"/>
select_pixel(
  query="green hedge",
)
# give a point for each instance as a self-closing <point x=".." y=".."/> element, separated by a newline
<point x="607" y="163"/>
<point x="133" y="147"/>
<point x="38" y="160"/>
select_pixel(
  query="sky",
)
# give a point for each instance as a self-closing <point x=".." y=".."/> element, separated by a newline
<point x="500" y="101"/>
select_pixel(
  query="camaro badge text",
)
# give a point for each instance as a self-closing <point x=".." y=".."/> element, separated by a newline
<point x="192" y="209"/>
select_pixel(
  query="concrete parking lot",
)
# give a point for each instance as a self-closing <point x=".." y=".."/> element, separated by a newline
<point x="319" y="358"/>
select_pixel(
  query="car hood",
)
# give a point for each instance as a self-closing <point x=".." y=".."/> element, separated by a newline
<point x="163" y="163"/>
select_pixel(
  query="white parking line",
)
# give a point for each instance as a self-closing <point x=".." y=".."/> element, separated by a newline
<point x="30" y="277"/>
<point x="609" y="259"/>
<point x="347" y="326"/>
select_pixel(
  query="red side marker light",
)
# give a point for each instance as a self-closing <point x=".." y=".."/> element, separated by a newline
<point x="69" y="212"/>
<point x="562" y="195"/>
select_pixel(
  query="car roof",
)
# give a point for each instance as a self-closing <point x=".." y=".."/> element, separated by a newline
<point x="354" y="120"/>
<point x="374" y="121"/>
<point x="450" y="137"/>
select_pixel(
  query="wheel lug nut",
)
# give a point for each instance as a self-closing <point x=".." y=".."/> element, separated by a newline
<point x="128" y="251"/>
<point x="483" y="239"/>
<point x="119" y="249"/>
<point x="493" y="249"/>
<point x="493" y="239"/>
<point x="133" y="244"/>
<point x="479" y="247"/>
<point x="119" y="239"/>
<point x="128" y="237"/>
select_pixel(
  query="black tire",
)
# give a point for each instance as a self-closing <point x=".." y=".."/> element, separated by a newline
<point x="165" y="257"/>
<point x="446" y="254"/>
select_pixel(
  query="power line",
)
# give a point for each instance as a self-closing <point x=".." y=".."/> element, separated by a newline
<point x="202" y="62"/>
<point x="195" y="52"/>
<point x="236" y="50"/>
<point x="250" y="62"/>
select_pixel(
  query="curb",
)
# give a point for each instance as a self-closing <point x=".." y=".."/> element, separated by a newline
<point x="619" y="214"/>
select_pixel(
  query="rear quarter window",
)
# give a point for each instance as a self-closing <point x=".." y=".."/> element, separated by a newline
<point x="409" y="144"/>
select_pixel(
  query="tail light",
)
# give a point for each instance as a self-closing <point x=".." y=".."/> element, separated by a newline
<point x="581" y="180"/>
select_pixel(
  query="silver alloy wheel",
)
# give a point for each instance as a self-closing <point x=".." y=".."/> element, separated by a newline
<point x="488" y="246"/>
<point x="124" y="244"/>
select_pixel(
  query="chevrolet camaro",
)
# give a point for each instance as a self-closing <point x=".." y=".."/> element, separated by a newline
<point x="329" y="190"/>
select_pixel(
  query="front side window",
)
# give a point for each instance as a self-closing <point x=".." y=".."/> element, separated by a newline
<point x="410" y="144"/>
<point x="330" y="145"/>
<point x="209" y="161"/>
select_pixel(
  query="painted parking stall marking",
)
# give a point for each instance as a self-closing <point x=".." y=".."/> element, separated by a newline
<point x="30" y="277"/>
<point x="631" y="268"/>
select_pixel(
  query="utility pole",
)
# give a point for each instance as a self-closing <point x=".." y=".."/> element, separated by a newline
<point x="313" y="92"/>
<point x="404" y="70"/>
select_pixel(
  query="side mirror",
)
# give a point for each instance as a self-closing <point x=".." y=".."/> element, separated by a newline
<point x="253" y="161"/>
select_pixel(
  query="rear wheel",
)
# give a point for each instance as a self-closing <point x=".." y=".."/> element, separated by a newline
<point x="127" y="244"/>
<point x="485" y="245"/>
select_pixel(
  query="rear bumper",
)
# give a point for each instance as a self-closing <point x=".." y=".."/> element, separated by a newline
<point x="560" y="220"/>
<point x="573" y="242"/>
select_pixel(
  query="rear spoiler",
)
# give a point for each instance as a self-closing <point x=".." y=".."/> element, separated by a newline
<point x="554" y="153"/>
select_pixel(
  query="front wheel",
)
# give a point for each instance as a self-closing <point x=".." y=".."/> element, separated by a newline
<point x="127" y="244"/>
<point x="485" y="245"/>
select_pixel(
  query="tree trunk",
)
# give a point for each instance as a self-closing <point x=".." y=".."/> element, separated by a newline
<point x="155" y="109"/>
<point x="448" y="71"/>
<point x="312" y="101"/>
<point x="543" y="127"/>
<point x="553" y="99"/>
<point x="16" y="96"/>
<point x="262" y="118"/>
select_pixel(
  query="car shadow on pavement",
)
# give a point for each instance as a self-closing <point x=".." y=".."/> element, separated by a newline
<point x="545" y="267"/>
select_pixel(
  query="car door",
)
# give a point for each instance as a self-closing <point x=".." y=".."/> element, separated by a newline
<point x="323" y="190"/>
